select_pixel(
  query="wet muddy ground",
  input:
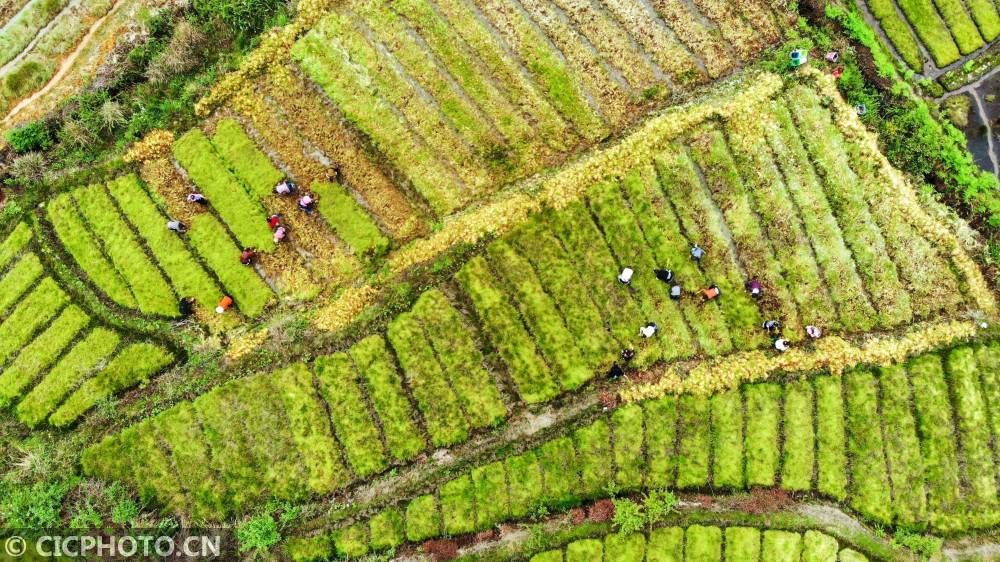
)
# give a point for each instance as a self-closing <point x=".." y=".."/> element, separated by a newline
<point x="984" y="121"/>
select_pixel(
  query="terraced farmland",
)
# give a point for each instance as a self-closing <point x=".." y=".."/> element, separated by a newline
<point x="820" y="435"/>
<point x="546" y="298"/>
<point x="462" y="110"/>
<point x="589" y="71"/>
<point x="695" y="542"/>
<point x="56" y="362"/>
<point x="434" y="360"/>
<point x="376" y="422"/>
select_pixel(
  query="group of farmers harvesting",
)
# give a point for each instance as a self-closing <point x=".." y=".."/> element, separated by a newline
<point x="709" y="293"/>
<point x="307" y="202"/>
<point x="285" y="188"/>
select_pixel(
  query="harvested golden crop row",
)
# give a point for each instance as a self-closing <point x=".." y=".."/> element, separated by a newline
<point x="832" y="353"/>
<point x="278" y="137"/>
<point x="303" y="107"/>
<point x="904" y="196"/>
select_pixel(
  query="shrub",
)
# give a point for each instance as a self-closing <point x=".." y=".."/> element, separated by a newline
<point x="926" y="547"/>
<point x="76" y="133"/>
<point x="659" y="503"/>
<point x="124" y="510"/>
<point x="34" y="507"/>
<point x="630" y="517"/>
<point x="183" y="54"/>
<point x="261" y="533"/>
<point x="86" y="518"/>
<point x="30" y="137"/>
<point x="111" y="114"/>
<point x="29" y="168"/>
<point x="246" y="17"/>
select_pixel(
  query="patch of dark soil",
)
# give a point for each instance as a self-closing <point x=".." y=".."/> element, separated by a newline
<point x="487" y="535"/>
<point x="704" y="500"/>
<point x="441" y="549"/>
<point x="763" y="500"/>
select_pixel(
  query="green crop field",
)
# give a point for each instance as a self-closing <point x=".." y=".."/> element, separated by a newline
<point x="944" y="30"/>
<point x="120" y="240"/>
<point x="329" y="423"/>
<point x="852" y="463"/>
<point x="51" y="346"/>
<point x="438" y="357"/>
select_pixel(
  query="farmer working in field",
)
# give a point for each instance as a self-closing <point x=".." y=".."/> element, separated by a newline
<point x="754" y="287"/>
<point x="279" y="234"/>
<point x="197" y="198"/>
<point x="617" y="370"/>
<point x="186" y="306"/>
<point x="176" y="226"/>
<point x="697" y="252"/>
<point x="306" y="203"/>
<point x="248" y="255"/>
<point x="675" y="292"/>
<point x="285" y="187"/>
<point x="649" y="330"/>
<point x="710" y="293"/>
<point x="625" y="277"/>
